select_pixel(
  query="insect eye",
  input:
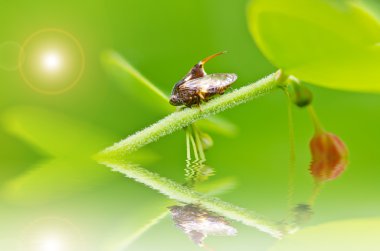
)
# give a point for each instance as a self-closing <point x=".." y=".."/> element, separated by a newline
<point x="174" y="100"/>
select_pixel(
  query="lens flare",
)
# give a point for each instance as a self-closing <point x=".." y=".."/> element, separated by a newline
<point x="51" y="61"/>
<point x="51" y="234"/>
<point x="51" y="243"/>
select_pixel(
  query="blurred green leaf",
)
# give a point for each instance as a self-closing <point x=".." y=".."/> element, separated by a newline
<point x="62" y="136"/>
<point x="217" y="187"/>
<point x="329" y="43"/>
<point x="54" y="181"/>
<point x="56" y="134"/>
<point x="57" y="179"/>
<point x="218" y="124"/>
<point x="134" y="83"/>
<point x="348" y="235"/>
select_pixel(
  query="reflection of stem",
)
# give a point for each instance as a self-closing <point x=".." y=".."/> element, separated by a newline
<point x="185" y="195"/>
<point x="188" y="170"/>
<point x="292" y="160"/>
<point x="216" y="188"/>
<point x="195" y="169"/>
<point x="181" y="119"/>
<point x="316" y="190"/>
<point x="317" y="125"/>
<point x="188" y="150"/>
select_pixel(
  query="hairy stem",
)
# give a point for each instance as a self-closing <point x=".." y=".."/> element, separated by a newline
<point x="317" y="124"/>
<point x="183" y="118"/>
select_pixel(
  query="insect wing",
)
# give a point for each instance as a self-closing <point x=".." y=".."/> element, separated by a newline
<point x="210" y="82"/>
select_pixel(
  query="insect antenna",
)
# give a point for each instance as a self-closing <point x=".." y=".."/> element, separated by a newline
<point x="205" y="60"/>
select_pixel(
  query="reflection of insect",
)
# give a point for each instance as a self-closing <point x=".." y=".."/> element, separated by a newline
<point x="198" y="223"/>
<point x="197" y="86"/>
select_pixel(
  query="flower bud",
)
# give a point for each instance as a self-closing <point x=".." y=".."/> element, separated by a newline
<point x="299" y="94"/>
<point x="206" y="140"/>
<point x="329" y="156"/>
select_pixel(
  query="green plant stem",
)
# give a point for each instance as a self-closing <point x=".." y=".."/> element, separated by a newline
<point x="316" y="191"/>
<point x="181" y="119"/>
<point x="185" y="195"/>
<point x="314" y="118"/>
<point x="292" y="153"/>
<point x="199" y="143"/>
<point x="195" y="150"/>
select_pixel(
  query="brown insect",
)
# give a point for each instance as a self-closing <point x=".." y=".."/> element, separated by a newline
<point x="197" y="86"/>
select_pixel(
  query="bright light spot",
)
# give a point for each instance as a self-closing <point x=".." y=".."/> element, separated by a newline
<point x="51" y="243"/>
<point x="51" y="61"/>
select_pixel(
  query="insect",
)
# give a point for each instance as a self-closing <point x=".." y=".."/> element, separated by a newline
<point x="197" y="86"/>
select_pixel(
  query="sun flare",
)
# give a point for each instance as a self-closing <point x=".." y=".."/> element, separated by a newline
<point x="51" y="62"/>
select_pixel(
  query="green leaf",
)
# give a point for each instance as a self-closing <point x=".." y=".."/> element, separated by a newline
<point x="325" y="42"/>
<point x="56" y="134"/>
<point x="55" y="180"/>
<point x="218" y="124"/>
<point x="134" y="83"/>
<point x="58" y="179"/>
<point x="348" y="235"/>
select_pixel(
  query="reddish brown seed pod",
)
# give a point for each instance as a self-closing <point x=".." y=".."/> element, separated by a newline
<point x="197" y="86"/>
<point x="329" y="156"/>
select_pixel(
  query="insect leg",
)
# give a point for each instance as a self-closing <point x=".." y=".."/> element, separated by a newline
<point x="201" y="95"/>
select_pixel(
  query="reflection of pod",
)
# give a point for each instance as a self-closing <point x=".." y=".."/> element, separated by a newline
<point x="197" y="86"/>
<point x="302" y="213"/>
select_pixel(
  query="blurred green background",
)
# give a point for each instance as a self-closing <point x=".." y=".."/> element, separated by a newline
<point x="49" y="186"/>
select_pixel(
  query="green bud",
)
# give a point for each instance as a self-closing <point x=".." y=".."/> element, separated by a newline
<point x="300" y="95"/>
<point x="206" y="140"/>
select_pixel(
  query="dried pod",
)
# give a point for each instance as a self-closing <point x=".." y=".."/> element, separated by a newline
<point x="198" y="223"/>
<point x="329" y="156"/>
